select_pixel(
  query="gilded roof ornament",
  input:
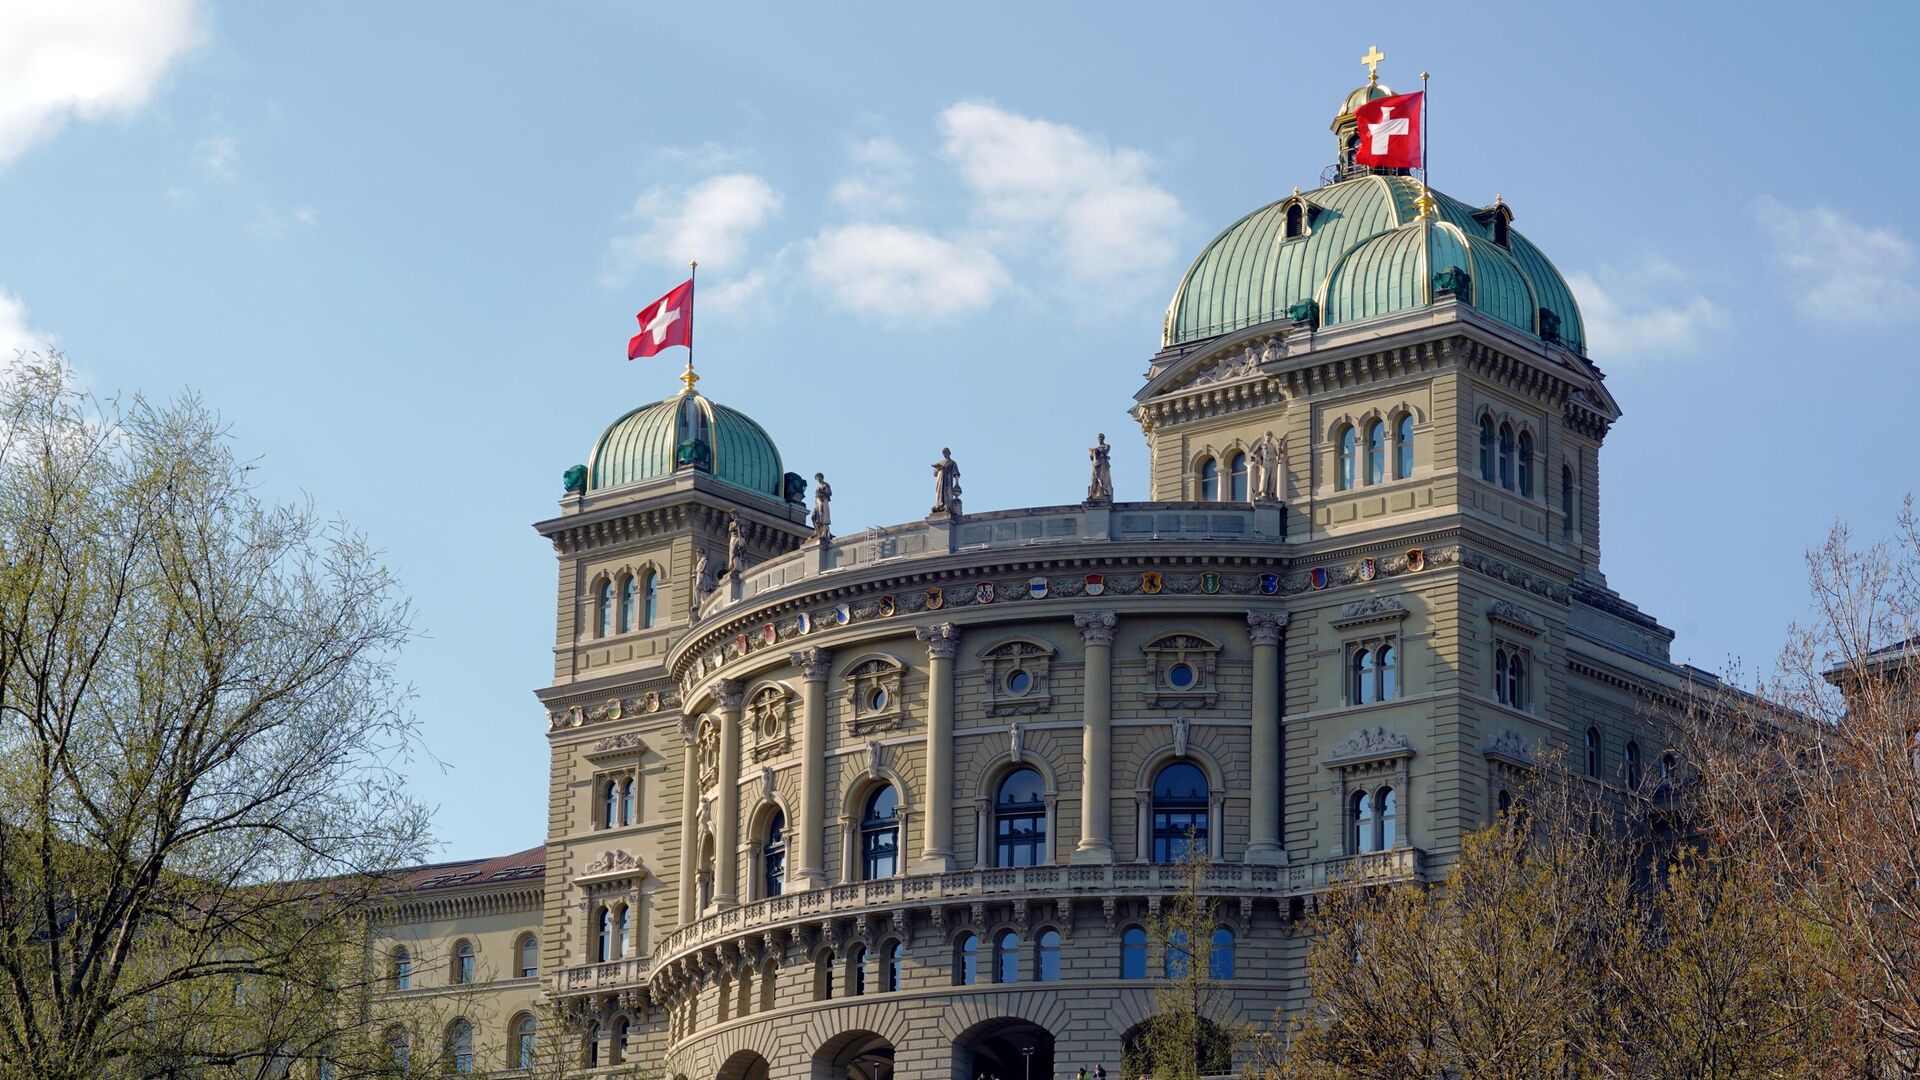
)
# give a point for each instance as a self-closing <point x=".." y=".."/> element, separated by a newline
<point x="1372" y="60"/>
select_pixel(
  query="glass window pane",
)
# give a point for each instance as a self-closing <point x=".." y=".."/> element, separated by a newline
<point x="1046" y="961"/>
<point x="1133" y="953"/>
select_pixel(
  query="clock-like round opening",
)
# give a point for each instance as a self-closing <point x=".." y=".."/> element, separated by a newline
<point x="1019" y="682"/>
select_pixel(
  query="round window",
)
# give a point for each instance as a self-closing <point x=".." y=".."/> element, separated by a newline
<point x="1181" y="676"/>
<point x="1019" y="682"/>
<point x="876" y="699"/>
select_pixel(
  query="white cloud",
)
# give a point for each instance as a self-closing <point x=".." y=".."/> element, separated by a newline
<point x="64" y="59"/>
<point x="898" y="274"/>
<point x="1644" y="311"/>
<point x="1846" y="272"/>
<point x="713" y="221"/>
<point x="16" y="336"/>
<point x="219" y="156"/>
<point x="882" y="171"/>
<point x="1035" y="180"/>
<point x="271" y="224"/>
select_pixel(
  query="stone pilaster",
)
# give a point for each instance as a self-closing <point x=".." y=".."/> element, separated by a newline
<point x="726" y="874"/>
<point x="689" y="810"/>
<point x="1264" y="835"/>
<point x="814" y="665"/>
<point x="1096" y="740"/>
<point x="936" y="852"/>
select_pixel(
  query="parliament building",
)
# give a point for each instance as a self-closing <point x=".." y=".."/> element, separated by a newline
<point x="903" y="802"/>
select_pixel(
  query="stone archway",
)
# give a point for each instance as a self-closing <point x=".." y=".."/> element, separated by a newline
<point x="854" y="1055"/>
<point x="744" y="1065"/>
<point x="1007" y="1048"/>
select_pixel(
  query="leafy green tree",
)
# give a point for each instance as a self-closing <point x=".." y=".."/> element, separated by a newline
<point x="1189" y="1034"/>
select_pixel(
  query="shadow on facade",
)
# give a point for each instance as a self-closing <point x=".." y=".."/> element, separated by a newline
<point x="1004" y="1049"/>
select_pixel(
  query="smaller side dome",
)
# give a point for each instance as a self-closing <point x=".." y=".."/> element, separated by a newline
<point x="687" y="431"/>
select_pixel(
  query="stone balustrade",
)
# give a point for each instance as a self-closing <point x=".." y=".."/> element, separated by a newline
<point x="614" y="974"/>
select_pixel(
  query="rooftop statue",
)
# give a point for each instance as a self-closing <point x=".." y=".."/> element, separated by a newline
<point x="946" y="484"/>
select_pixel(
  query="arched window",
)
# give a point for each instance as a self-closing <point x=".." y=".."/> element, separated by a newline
<point x="1178" y="955"/>
<point x="773" y="856"/>
<point x="1220" y="956"/>
<point x="1046" y="956"/>
<point x="629" y="590"/>
<point x="1376" y="451"/>
<point x="604" y="615"/>
<point x="1020" y="820"/>
<point x="880" y="835"/>
<point x="1389" y="674"/>
<point x="1632" y="761"/>
<point x="1343" y="472"/>
<point x="650" y="599"/>
<point x="610" y="805"/>
<point x="527" y="953"/>
<point x="823" y="976"/>
<point x="1296" y="221"/>
<point x="463" y="962"/>
<point x="402" y="968"/>
<point x="1500" y="676"/>
<point x="1486" y="449"/>
<point x="1503" y="801"/>
<point x="524" y="1046"/>
<point x="1133" y="953"/>
<point x="1517" y="681"/>
<point x="592" y="1054"/>
<point x="1526" y="464"/>
<point x="1668" y="765"/>
<point x="620" y="1029"/>
<point x="1006" y="957"/>
<point x="857" y="971"/>
<point x="1237" y="478"/>
<point x="1506" y="456"/>
<point x="460" y="1045"/>
<point x="1180" y="797"/>
<point x="1403" y="447"/>
<point x="1385" y="806"/>
<point x="603" y="939"/>
<point x="1593" y="751"/>
<point x="402" y="1044"/>
<point x="769" y="985"/>
<point x="966" y="960"/>
<point x="1363" y="678"/>
<point x="1360" y="831"/>
<point x="1209" y="480"/>
<point x="1566" y="502"/>
<point x="891" y="959"/>
<point x="629" y="812"/>
<point x="624" y="923"/>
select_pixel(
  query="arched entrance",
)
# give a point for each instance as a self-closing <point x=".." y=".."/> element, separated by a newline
<point x="744" y="1065"/>
<point x="1004" y="1049"/>
<point x="1212" y="1050"/>
<point x="854" y="1055"/>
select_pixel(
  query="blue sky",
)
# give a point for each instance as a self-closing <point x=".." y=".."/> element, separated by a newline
<point x="400" y="248"/>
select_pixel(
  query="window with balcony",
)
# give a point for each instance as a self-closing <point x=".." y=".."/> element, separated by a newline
<point x="1180" y="802"/>
<point x="880" y="835"/>
<point x="1020" y="819"/>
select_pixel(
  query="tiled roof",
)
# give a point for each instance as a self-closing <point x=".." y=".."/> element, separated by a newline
<point x="528" y="865"/>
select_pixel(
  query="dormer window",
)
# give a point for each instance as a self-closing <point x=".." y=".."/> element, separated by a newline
<point x="1296" y="217"/>
<point x="1296" y="221"/>
<point x="1500" y="230"/>
<point x="1497" y="219"/>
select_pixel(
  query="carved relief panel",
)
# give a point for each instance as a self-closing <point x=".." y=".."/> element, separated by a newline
<point x="770" y="718"/>
<point x="1019" y="678"/>
<point x="706" y="750"/>
<point x="874" y="693"/>
<point x="1182" y="667"/>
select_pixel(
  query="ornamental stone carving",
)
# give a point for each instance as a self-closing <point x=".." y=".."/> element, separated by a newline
<point x="1266" y="627"/>
<point x="1100" y="484"/>
<point x="770" y="716"/>
<point x="942" y="639"/>
<point x="706" y="751"/>
<point x="727" y="694"/>
<point x="814" y="663"/>
<point x="1019" y="677"/>
<point x="1096" y="627"/>
<point x="612" y="861"/>
<point x="1375" y="742"/>
<point x="1510" y="746"/>
<point x="617" y="743"/>
<point x="1182" y="666"/>
<point x="1514" y="616"/>
<point x="875" y="695"/>
<point x="1371" y="609"/>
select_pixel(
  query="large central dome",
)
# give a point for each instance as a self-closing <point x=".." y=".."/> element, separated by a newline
<point x="686" y="431"/>
<point x="1359" y="249"/>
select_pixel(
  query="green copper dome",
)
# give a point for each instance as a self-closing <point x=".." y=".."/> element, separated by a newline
<point x="1364" y="251"/>
<point x="686" y="431"/>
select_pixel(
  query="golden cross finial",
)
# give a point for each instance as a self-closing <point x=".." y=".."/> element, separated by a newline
<point x="1372" y="60"/>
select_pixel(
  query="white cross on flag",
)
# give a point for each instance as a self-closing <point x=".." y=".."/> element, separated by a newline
<point x="665" y="322"/>
<point x="1389" y="130"/>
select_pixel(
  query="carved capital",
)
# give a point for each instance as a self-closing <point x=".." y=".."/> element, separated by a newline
<point x="813" y="662"/>
<point x="1266" y="627"/>
<point x="727" y="693"/>
<point x="689" y="729"/>
<point x="1096" y="627"/>
<point x="943" y="640"/>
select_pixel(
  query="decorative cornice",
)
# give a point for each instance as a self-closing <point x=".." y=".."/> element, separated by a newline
<point x="476" y="903"/>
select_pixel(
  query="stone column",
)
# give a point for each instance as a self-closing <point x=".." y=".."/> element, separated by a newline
<point x="812" y="874"/>
<point x="689" y="809"/>
<point x="1264" y="837"/>
<point x="726" y="871"/>
<point x="936" y="850"/>
<point x="1096" y="740"/>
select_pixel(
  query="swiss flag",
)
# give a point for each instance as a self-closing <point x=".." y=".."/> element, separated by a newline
<point x="665" y="322"/>
<point x="1389" y="130"/>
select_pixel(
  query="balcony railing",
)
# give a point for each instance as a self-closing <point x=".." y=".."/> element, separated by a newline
<point x="1033" y="883"/>
<point x="631" y="971"/>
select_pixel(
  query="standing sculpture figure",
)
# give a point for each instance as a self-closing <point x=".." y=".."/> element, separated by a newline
<point x="1264" y="467"/>
<point x="1100" y="486"/>
<point x="703" y="582"/>
<point x="736" y="547"/>
<point x="946" y="484"/>
<point x="822" y="508"/>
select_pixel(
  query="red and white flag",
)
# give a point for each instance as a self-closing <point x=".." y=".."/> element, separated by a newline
<point x="1389" y="130"/>
<point x="665" y="322"/>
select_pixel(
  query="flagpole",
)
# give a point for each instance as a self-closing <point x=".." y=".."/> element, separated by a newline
<point x="693" y="272"/>
<point x="1426" y="104"/>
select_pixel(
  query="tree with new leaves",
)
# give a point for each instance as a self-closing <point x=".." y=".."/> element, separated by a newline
<point x="200" y="729"/>
<point x="1189" y="1034"/>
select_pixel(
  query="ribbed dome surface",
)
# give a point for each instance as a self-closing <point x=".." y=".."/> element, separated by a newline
<point x="687" y="429"/>
<point x="1367" y="253"/>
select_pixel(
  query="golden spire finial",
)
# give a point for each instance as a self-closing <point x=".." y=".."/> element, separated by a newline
<point x="1372" y="60"/>
<point x="687" y="377"/>
<point x="1426" y="206"/>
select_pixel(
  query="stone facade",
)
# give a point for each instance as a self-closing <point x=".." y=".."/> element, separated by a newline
<point x="987" y="724"/>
